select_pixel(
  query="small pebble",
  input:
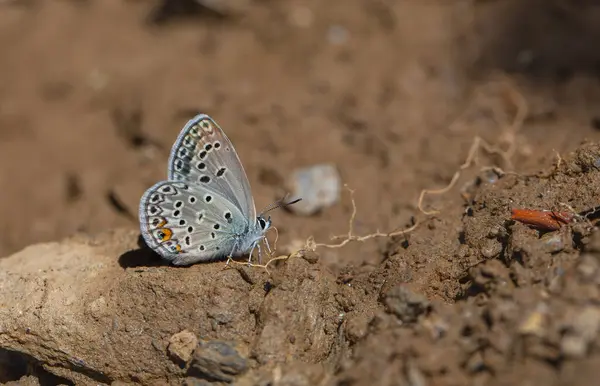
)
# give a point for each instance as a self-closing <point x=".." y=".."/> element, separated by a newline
<point x="573" y="346"/>
<point x="587" y="267"/>
<point x="218" y="361"/>
<point x="489" y="176"/>
<point x="491" y="248"/>
<point x="553" y="242"/>
<point x="337" y="35"/>
<point x="319" y="186"/>
<point x="534" y="323"/>
<point x="181" y="346"/>
<point x="581" y="332"/>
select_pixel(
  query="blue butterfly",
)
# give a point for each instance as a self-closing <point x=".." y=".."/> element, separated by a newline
<point x="204" y="210"/>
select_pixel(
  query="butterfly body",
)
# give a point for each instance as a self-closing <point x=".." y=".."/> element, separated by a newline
<point x="204" y="210"/>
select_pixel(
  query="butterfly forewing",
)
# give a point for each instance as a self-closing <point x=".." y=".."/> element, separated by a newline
<point x="187" y="223"/>
<point x="203" y="155"/>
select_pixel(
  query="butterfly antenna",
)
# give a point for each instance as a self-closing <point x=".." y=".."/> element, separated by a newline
<point x="280" y="204"/>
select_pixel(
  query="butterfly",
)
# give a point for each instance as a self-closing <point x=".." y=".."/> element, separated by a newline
<point x="204" y="211"/>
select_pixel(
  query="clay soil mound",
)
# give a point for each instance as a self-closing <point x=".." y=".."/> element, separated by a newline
<point x="476" y="107"/>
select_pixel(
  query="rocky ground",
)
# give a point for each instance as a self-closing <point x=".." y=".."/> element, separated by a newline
<point x="397" y="95"/>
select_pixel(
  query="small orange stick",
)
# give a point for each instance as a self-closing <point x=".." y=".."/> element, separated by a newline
<point x="542" y="219"/>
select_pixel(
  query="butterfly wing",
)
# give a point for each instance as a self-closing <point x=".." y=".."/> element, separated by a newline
<point x="187" y="223"/>
<point x="203" y="155"/>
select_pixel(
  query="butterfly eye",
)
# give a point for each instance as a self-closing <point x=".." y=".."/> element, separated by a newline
<point x="262" y="222"/>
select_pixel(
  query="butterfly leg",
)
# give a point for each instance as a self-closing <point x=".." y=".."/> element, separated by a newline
<point x="230" y="257"/>
<point x="251" y="253"/>
<point x="259" y="252"/>
<point x="268" y="246"/>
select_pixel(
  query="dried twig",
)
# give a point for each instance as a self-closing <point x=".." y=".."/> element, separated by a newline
<point x="263" y="266"/>
<point x="350" y="235"/>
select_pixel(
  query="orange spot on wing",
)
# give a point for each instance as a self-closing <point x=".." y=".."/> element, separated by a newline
<point x="164" y="234"/>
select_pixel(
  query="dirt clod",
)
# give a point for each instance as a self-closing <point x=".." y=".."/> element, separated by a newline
<point x="405" y="304"/>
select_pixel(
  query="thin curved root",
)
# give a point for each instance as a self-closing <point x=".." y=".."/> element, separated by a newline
<point x="507" y="136"/>
<point x="312" y="245"/>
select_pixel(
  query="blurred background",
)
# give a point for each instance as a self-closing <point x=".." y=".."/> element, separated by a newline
<point x="393" y="93"/>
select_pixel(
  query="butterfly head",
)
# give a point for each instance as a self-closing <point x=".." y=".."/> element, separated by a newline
<point x="263" y="223"/>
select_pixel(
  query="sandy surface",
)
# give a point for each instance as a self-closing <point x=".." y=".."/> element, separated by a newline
<point x="93" y="94"/>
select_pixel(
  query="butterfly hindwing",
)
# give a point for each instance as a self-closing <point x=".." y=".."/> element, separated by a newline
<point x="203" y="155"/>
<point x="186" y="223"/>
